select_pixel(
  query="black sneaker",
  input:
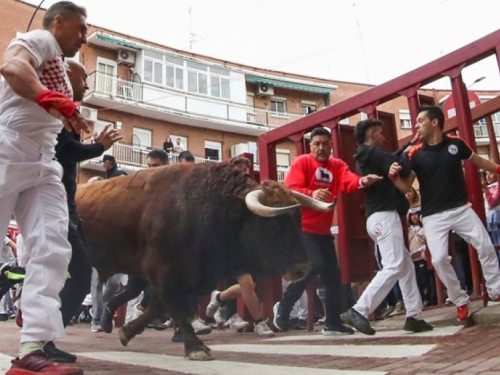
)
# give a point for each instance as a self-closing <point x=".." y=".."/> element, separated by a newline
<point x="4" y="317"/>
<point x="57" y="355"/>
<point x="157" y="324"/>
<point x="358" y="321"/>
<point x="177" y="337"/>
<point x="340" y="329"/>
<point x="417" y="325"/>
<point x="106" y="320"/>
<point x="281" y="319"/>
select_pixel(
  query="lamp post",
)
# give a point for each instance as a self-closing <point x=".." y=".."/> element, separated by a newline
<point x="476" y="81"/>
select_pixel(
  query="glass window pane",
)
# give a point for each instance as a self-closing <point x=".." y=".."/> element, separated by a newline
<point x="170" y="76"/>
<point x="215" y="86"/>
<point x="153" y="54"/>
<point x="211" y="154"/>
<point x="158" y="73"/>
<point x="148" y="71"/>
<point x="179" y="78"/>
<point x="174" y="60"/>
<point x="202" y="78"/>
<point x="192" y="81"/>
<point x="220" y="71"/>
<point x="225" y="88"/>
<point x="198" y="66"/>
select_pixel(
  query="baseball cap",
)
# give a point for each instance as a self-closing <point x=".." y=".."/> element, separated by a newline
<point x="110" y="158"/>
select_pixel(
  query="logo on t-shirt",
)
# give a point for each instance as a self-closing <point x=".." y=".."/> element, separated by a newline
<point x="324" y="175"/>
<point x="453" y="149"/>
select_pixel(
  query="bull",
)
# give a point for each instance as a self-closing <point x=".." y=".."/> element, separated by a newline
<point x="185" y="228"/>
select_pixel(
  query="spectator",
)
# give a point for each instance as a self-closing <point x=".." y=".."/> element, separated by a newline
<point x="179" y="147"/>
<point x="413" y="197"/>
<point x="186" y="157"/>
<point x="112" y="170"/>
<point x="492" y="199"/>
<point x="168" y="146"/>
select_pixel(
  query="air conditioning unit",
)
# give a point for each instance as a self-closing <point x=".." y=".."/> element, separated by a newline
<point x="125" y="56"/>
<point x="263" y="89"/>
<point x="89" y="114"/>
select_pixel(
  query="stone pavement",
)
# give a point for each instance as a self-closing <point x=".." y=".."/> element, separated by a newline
<point x="449" y="349"/>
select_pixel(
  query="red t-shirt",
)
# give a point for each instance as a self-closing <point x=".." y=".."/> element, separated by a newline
<point x="307" y="174"/>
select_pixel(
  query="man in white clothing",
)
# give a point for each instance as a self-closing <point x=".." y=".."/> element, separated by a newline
<point x="35" y="103"/>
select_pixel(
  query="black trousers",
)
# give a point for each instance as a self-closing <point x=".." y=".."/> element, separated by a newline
<point x="323" y="258"/>
<point x="77" y="284"/>
<point x="134" y="287"/>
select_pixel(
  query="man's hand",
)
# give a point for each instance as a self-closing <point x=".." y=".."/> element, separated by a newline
<point x="370" y="179"/>
<point x="394" y="170"/>
<point x="323" y="195"/>
<point x="108" y="137"/>
<point x="74" y="124"/>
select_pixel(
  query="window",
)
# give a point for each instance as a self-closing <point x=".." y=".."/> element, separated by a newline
<point x="282" y="158"/>
<point x="404" y="119"/>
<point x="141" y="137"/>
<point x="278" y="107"/>
<point x="213" y="150"/>
<point x="308" y="107"/>
<point x="174" y="76"/>
<point x="153" y="71"/>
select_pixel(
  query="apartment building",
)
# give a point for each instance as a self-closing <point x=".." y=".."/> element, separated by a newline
<point x="215" y="108"/>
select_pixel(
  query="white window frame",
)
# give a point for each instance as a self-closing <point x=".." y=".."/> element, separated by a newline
<point x="142" y="134"/>
<point x="112" y="79"/>
<point x="213" y="145"/>
<point x="404" y="119"/>
<point x="282" y="155"/>
<point x="275" y="99"/>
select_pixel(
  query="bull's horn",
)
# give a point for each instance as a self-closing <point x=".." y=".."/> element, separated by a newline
<point x="312" y="203"/>
<point x="253" y="203"/>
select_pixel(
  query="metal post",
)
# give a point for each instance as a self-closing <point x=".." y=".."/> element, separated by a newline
<point x="493" y="140"/>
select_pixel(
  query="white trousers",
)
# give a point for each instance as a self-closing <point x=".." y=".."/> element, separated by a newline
<point x="386" y="231"/>
<point x="464" y="222"/>
<point x="299" y="309"/>
<point x="31" y="187"/>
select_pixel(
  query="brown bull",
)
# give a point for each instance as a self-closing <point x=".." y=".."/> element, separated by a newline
<point x="185" y="228"/>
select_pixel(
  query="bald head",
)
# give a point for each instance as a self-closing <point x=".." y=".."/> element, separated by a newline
<point x="78" y="78"/>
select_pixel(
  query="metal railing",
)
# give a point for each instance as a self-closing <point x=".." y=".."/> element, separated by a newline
<point x="116" y="87"/>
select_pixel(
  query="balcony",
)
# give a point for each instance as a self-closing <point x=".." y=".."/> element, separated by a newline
<point x="181" y="107"/>
<point x="481" y="133"/>
<point x="133" y="158"/>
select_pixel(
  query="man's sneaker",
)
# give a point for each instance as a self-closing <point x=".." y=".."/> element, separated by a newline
<point x="200" y="328"/>
<point x="177" y="337"/>
<point x="219" y="320"/>
<point x="235" y="322"/>
<point x="417" y="325"/>
<point x="213" y="304"/>
<point x="262" y="329"/>
<point x="336" y="330"/>
<point x="106" y="320"/>
<point x="463" y="312"/>
<point x="95" y="327"/>
<point x="57" y="355"/>
<point x="156" y="324"/>
<point x="37" y="362"/>
<point x="4" y="317"/>
<point x="387" y="311"/>
<point x="358" y="321"/>
<point x="169" y="323"/>
<point x="281" y="320"/>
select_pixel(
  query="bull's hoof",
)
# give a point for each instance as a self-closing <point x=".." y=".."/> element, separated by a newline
<point x="122" y="333"/>
<point x="200" y="355"/>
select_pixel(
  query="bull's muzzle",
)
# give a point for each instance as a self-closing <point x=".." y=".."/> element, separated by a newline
<point x="297" y="272"/>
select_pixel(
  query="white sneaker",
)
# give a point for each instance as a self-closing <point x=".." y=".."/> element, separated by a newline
<point x="169" y="323"/>
<point x="213" y="305"/>
<point x="235" y="322"/>
<point x="219" y="320"/>
<point x="262" y="329"/>
<point x="200" y="328"/>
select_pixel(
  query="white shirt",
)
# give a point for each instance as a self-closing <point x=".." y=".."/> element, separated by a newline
<point x="24" y="116"/>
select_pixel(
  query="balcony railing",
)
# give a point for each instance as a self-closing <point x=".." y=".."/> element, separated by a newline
<point x="136" y="157"/>
<point x="480" y="130"/>
<point x="176" y="100"/>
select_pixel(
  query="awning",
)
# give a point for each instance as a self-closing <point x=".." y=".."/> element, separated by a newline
<point x="291" y="85"/>
<point x="120" y="42"/>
